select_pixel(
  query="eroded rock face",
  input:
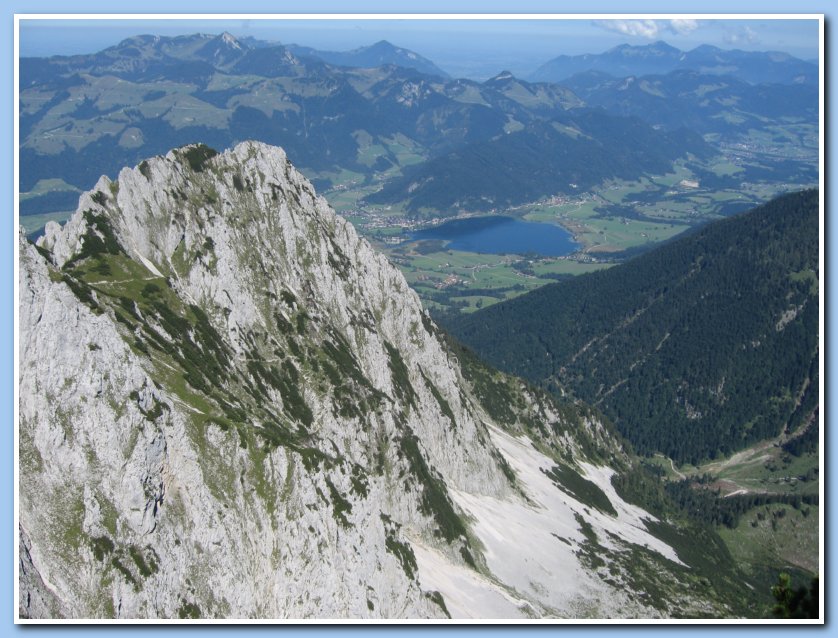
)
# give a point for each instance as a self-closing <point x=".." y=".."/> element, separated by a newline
<point x="232" y="406"/>
<point x="270" y="469"/>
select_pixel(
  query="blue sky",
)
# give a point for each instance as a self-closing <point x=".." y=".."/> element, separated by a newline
<point x="471" y="48"/>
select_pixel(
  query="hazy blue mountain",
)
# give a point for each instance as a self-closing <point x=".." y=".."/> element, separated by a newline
<point x="222" y="50"/>
<point x="660" y="58"/>
<point x="621" y="60"/>
<point x="752" y="66"/>
<point x="518" y="97"/>
<point x="569" y="154"/>
<point x="219" y="90"/>
<point x="138" y="53"/>
<point x="379" y="54"/>
<point x="274" y="61"/>
<point x="462" y="143"/>
<point x="702" y="102"/>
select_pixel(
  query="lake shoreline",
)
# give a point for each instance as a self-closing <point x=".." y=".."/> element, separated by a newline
<point x="501" y="235"/>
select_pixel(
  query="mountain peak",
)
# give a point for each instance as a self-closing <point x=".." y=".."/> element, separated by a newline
<point x="502" y="76"/>
<point x="382" y="44"/>
<point x="378" y="54"/>
<point x="245" y="331"/>
<point x="143" y="39"/>
<point x="654" y="49"/>
<point x="706" y="48"/>
<point x="222" y="50"/>
<point x="661" y="45"/>
<point x="230" y="40"/>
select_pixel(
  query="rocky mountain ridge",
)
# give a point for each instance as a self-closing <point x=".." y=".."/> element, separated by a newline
<point x="232" y="407"/>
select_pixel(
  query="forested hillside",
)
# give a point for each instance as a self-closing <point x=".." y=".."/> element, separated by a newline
<point x="572" y="153"/>
<point x="695" y="349"/>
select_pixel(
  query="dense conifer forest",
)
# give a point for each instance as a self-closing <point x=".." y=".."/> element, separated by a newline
<point x="695" y="349"/>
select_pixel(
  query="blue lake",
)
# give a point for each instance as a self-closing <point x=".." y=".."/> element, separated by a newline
<point x="500" y="236"/>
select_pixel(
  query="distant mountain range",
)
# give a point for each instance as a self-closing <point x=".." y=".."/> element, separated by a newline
<point x="384" y="113"/>
<point x="568" y="154"/>
<point x="379" y="54"/>
<point x="218" y="90"/>
<point x="224" y="51"/>
<point x="702" y="102"/>
<point x="756" y="67"/>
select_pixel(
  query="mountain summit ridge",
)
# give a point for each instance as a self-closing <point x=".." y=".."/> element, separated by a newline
<point x="144" y="214"/>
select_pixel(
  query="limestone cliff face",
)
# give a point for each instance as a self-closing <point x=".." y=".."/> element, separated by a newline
<point x="232" y="406"/>
<point x="235" y="405"/>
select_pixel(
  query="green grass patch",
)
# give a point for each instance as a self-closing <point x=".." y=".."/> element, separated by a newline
<point x="102" y="546"/>
<point x="570" y="267"/>
<point x="146" y="564"/>
<point x="340" y="506"/>
<point x="776" y="536"/>
<point x="400" y="377"/>
<point x="436" y="598"/>
<point x="188" y="610"/>
<point x="574" y="484"/>
<point x="126" y="573"/>
<point x="443" y="404"/>
<point x="401" y="550"/>
<point x="764" y="469"/>
<point x="197" y="156"/>
<point x="435" y="501"/>
<point x="807" y="276"/>
<point x="99" y="239"/>
<point x="705" y="553"/>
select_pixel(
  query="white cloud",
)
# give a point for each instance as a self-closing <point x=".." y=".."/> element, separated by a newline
<point x="650" y="28"/>
<point x="683" y="26"/>
<point x="642" y="28"/>
<point x="746" y="35"/>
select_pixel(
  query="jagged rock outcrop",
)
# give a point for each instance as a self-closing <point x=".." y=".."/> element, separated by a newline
<point x="232" y="406"/>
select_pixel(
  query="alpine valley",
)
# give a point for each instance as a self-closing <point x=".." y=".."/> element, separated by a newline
<point x="232" y="407"/>
<point x="623" y="150"/>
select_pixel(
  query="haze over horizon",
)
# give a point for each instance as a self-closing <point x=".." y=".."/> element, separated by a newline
<point x="476" y="49"/>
